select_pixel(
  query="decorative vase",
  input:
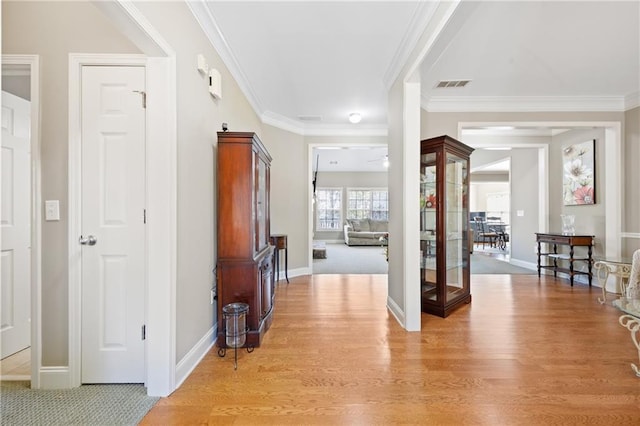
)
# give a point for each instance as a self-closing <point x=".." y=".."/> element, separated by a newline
<point x="568" y="224"/>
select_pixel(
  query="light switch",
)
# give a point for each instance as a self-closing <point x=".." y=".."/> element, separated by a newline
<point x="520" y="213"/>
<point x="51" y="210"/>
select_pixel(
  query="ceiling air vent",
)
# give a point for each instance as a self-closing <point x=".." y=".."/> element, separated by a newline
<point x="309" y="118"/>
<point x="453" y="83"/>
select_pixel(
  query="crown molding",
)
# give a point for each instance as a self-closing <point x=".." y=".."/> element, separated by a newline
<point x="203" y="16"/>
<point x="132" y="23"/>
<point x="523" y="103"/>
<point x="285" y="123"/>
<point x="421" y="18"/>
<point x="632" y="101"/>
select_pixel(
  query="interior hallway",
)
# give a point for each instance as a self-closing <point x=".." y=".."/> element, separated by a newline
<point x="525" y="351"/>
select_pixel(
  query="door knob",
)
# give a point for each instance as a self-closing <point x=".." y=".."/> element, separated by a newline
<point x="88" y="241"/>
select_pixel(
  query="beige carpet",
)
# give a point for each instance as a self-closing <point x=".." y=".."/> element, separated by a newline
<point x="343" y="259"/>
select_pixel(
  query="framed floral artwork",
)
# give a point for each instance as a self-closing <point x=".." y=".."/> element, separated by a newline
<point x="579" y="174"/>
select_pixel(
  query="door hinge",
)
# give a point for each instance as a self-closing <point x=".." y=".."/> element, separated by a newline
<point x="144" y="97"/>
<point x="144" y="332"/>
<point x="144" y="216"/>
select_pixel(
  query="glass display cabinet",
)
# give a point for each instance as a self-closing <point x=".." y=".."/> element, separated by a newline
<point x="444" y="225"/>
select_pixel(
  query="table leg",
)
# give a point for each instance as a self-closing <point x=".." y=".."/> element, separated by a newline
<point x="286" y="264"/>
<point x="602" y="273"/>
<point x="277" y="262"/>
<point x="632" y="324"/>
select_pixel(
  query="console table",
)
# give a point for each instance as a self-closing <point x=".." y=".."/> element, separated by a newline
<point x="565" y="240"/>
<point x="279" y="241"/>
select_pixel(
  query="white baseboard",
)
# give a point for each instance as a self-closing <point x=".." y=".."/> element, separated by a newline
<point x="54" y="378"/>
<point x="524" y="264"/>
<point x="396" y="311"/>
<point x="295" y="273"/>
<point x="15" y="378"/>
<point x="189" y="362"/>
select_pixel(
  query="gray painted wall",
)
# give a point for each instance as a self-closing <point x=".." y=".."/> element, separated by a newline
<point x="63" y="27"/>
<point x="590" y="219"/>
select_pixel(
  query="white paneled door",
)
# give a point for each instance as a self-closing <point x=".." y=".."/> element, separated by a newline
<point x="113" y="229"/>
<point x="15" y="220"/>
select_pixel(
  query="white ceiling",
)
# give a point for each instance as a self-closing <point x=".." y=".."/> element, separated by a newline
<point x="305" y="65"/>
<point x="350" y="159"/>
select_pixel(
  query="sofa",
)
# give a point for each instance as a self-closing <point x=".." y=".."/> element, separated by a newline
<point x="365" y="232"/>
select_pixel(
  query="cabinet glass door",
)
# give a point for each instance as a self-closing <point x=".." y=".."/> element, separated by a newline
<point x="261" y="204"/>
<point x="428" y="224"/>
<point x="456" y="232"/>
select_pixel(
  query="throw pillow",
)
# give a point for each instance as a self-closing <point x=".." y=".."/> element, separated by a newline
<point x="354" y="224"/>
<point x="378" y="225"/>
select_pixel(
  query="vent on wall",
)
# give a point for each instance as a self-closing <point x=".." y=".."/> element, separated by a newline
<point x="453" y="83"/>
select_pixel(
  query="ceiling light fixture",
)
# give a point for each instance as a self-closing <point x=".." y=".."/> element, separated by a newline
<point x="355" y="117"/>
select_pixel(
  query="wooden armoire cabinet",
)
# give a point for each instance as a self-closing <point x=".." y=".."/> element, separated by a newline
<point x="244" y="270"/>
<point x="444" y="225"/>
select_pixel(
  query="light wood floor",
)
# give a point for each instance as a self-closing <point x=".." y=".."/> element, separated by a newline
<point x="526" y="351"/>
<point x="16" y="365"/>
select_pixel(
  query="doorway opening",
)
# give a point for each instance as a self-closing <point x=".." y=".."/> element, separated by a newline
<point x="490" y="207"/>
<point x="20" y="217"/>
<point x="349" y="209"/>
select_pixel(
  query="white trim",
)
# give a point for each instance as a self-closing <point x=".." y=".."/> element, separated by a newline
<point x="191" y="360"/>
<point x="630" y="235"/>
<point x="162" y="226"/>
<point x="613" y="189"/>
<point x="421" y="17"/>
<point x="395" y="310"/>
<point x="411" y="206"/>
<point x="524" y="264"/>
<point x="632" y="101"/>
<point x="543" y="189"/>
<point x="161" y="218"/>
<point x="298" y="272"/>
<point x="524" y="103"/>
<point x="135" y="26"/>
<point x="54" y="377"/>
<point x="32" y="67"/>
<point x="15" y="377"/>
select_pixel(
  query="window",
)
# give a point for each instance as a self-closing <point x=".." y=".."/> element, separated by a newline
<point x="367" y="203"/>
<point x="328" y="209"/>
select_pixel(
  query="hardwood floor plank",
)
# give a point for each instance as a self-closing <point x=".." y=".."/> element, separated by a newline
<point x="525" y="351"/>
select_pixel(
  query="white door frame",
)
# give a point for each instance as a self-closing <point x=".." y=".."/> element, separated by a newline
<point x="33" y="63"/>
<point x="160" y="262"/>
